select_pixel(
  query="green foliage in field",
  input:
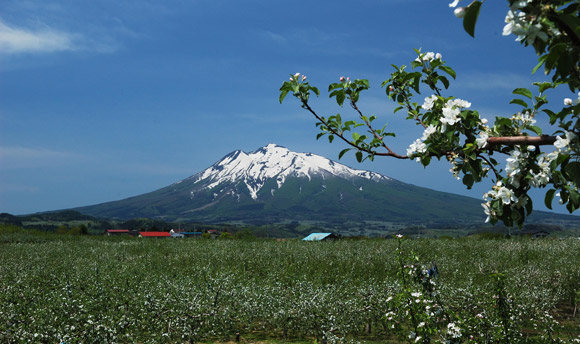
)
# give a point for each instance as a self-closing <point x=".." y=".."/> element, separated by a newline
<point x="97" y="289"/>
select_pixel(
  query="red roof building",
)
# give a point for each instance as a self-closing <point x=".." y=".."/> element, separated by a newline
<point x="154" y="234"/>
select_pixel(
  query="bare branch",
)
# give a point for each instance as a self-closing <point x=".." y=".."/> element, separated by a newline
<point x="543" y="140"/>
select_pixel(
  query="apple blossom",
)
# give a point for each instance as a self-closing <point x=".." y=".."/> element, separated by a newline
<point x="431" y="129"/>
<point x="460" y="12"/>
<point x="481" y="140"/>
<point x="429" y="102"/>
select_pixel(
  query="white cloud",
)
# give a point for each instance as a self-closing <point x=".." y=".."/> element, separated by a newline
<point x="24" y="157"/>
<point x="15" y="40"/>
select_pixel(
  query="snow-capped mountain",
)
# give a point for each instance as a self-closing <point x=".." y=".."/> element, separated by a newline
<point x="276" y="185"/>
<point x="274" y="162"/>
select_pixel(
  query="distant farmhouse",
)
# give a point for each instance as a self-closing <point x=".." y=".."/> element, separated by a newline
<point x="214" y="234"/>
<point x="320" y="237"/>
<point x="154" y="234"/>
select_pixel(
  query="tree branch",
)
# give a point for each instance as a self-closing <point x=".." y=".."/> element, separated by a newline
<point x="371" y="129"/>
<point x="334" y="132"/>
<point x="543" y="140"/>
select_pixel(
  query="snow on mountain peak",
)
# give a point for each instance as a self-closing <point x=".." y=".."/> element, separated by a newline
<point x="273" y="161"/>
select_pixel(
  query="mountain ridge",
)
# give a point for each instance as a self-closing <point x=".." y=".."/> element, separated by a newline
<point x="275" y="185"/>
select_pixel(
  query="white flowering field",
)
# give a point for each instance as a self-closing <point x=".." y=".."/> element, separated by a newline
<point x="113" y="290"/>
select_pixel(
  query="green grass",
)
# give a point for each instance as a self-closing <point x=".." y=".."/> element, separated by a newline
<point x="129" y="290"/>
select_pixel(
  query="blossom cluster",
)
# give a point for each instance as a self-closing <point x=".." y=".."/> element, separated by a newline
<point x="429" y="56"/>
<point x="518" y="22"/>
<point x="525" y="118"/>
<point x="450" y="115"/>
<point x="518" y="167"/>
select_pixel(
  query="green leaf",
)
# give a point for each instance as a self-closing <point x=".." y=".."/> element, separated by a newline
<point x="444" y="81"/>
<point x="356" y="136"/>
<point x="519" y="102"/>
<point x="283" y="95"/>
<point x="549" y="197"/>
<point x="541" y="61"/>
<point x="359" y="156"/>
<point x="470" y="18"/>
<point x="397" y="109"/>
<point x="340" y="96"/>
<point x="342" y="152"/>
<point x="542" y="86"/>
<point x="535" y="129"/>
<point x="524" y="92"/>
<point x="468" y="180"/>
<point x="573" y="171"/>
<point x="448" y="70"/>
<point x="315" y="90"/>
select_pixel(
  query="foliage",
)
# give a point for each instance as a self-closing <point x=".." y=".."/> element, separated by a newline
<point x="455" y="132"/>
<point x="110" y="289"/>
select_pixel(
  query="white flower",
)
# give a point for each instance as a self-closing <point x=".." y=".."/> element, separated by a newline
<point x="430" y="56"/>
<point x="460" y="12"/>
<point x="416" y="147"/>
<point x="514" y="24"/>
<point x="453" y="330"/>
<point x="506" y="195"/>
<point x="454" y="3"/>
<point x="438" y="56"/>
<point x="561" y="144"/>
<point x="526" y="118"/>
<point x="460" y="103"/>
<point x="296" y="75"/>
<point x="429" y="102"/>
<point x="484" y="121"/>
<point x="416" y="294"/>
<point x="431" y="129"/>
<point x="540" y="179"/>
<point x="450" y="116"/>
<point x="567" y="101"/>
<point x="481" y="140"/>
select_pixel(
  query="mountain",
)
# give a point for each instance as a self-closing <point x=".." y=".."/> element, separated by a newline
<point x="275" y="185"/>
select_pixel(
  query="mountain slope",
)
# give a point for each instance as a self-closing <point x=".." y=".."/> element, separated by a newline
<point x="274" y="184"/>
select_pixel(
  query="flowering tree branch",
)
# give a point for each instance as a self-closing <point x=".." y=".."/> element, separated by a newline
<point x="451" y="129"/>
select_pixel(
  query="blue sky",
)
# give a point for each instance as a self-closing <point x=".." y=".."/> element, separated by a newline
<point x="103" y="100"/>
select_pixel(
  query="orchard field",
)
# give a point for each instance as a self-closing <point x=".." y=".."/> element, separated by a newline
<point x="58" y="289"/>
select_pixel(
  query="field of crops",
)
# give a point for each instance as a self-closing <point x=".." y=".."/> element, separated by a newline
<point x="111" y="290"/>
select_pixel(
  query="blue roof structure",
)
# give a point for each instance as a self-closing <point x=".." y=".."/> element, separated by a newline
<point x="317" y="236"/>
